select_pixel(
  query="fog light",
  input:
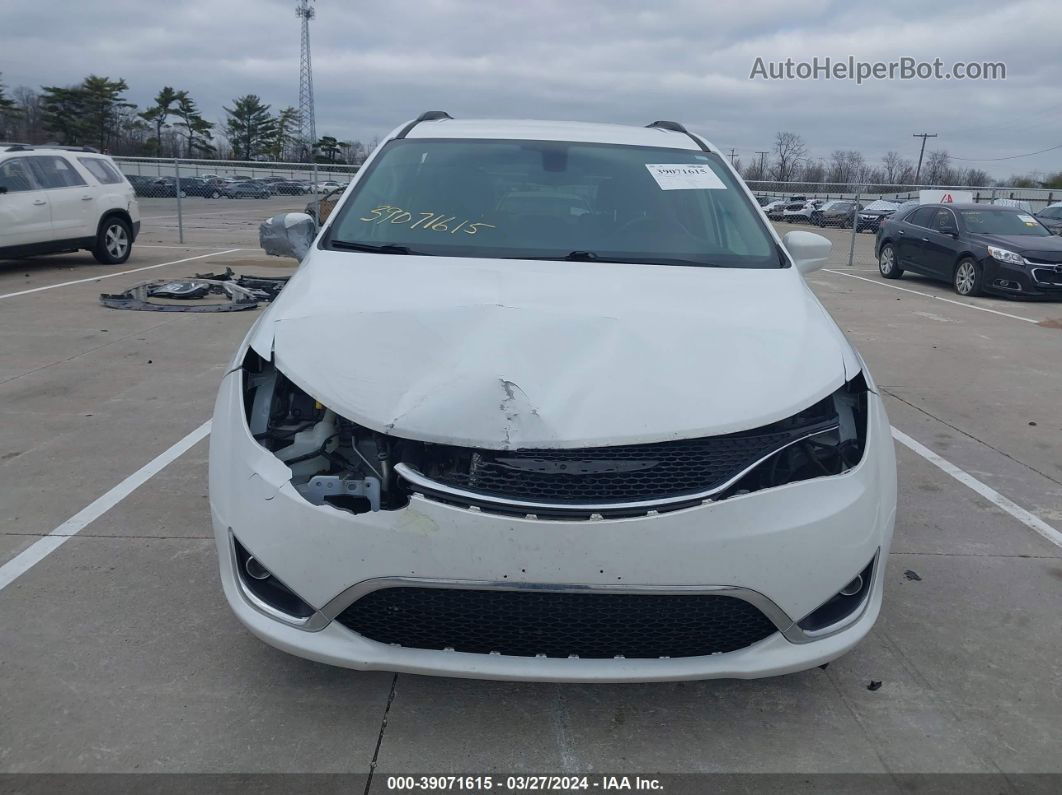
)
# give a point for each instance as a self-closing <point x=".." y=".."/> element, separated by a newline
<point x="255" y="569"/>
<point x="854" y="587"/>
<point x="260" y="583"/>
<point x="841" y="605"/>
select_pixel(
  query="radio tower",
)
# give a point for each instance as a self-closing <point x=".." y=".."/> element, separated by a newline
<point x="307" y="124"/>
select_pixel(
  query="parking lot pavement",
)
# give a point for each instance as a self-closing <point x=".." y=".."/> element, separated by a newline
<point x="207" y="222"/>
<point x="119" y="653"/>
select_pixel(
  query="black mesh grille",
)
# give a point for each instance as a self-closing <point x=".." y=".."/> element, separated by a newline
<point x="611" y="474"/>
<point x="529" y="623"/>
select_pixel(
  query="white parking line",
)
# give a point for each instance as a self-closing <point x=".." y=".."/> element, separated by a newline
<point x="120" y="273"/>
<point x="39" y="550"/>
<point x="190" y="248"/>
<point x="930" y="295"/>
<point x="1028" y="519"/>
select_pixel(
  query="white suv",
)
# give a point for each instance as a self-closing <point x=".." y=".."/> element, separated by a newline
<point x="62" y="200"/>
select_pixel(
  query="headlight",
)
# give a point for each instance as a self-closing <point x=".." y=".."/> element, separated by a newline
<point x="832" y="451"/>
<point x="1003" y="255"/>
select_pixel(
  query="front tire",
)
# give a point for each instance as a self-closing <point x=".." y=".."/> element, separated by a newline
<point x="888" y="264"/>
<point x="215" y="195"/>
<point x="967" y="279"/>
<point x="114" y="242"/>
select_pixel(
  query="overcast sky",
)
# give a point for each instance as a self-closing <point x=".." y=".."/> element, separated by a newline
<point x="378" y="63"/>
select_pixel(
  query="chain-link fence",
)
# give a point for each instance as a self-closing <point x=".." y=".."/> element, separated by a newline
<point x="179" y="196"/>
<point x="222" y="200"/>
<point x="862" y="207"/>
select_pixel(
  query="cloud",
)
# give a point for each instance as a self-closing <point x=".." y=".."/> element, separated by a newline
<point x="377" y="64"/>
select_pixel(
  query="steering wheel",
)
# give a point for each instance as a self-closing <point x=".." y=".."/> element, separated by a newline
<point x="641" y="219"/>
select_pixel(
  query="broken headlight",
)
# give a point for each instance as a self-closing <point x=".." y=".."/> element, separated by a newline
<point x="333" y="461"/>
<point x="832" y="451"/>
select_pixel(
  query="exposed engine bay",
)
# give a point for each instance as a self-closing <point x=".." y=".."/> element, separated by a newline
<point x="340" y="463"/>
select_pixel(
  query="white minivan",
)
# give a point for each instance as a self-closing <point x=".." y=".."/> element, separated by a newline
<point x="551" y="401"/>
<point x="54" y="200"/>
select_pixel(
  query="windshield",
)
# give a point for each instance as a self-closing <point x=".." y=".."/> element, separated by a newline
<point x="881" y="204"/>
<point x="554" y="200"/>
<point x="1054" y="213"/>
<point x="1002" y="222"/>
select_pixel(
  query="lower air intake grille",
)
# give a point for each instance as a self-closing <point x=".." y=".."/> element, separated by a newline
<point x="529" y="623"/>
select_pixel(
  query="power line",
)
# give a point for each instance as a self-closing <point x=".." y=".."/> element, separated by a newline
<point x="1008" y="157"/>
<point x="923" y="136"/>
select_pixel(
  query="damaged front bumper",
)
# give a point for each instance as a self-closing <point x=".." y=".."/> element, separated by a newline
<point x="785" y="551"/>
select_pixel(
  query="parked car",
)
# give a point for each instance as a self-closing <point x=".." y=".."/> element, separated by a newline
<point x="466" y="442"/>
<point x="291" y="188"/>
<point x="191" y="186"/>
<point x="767" y="201"/>
<point x="54" y="200"/>
<point x="150" y="186"/>
<point x="871" y="216"/>
<point x="773" y="209"/>
<point x="839" y="213"/>
<point x="977" y="247"/>
<point x="1021" y="204"/>
<point x="320" y="209"/>
<point x="246" y="190"/>
<point x="800" y="211"/>
<point x="1051" y="217"/>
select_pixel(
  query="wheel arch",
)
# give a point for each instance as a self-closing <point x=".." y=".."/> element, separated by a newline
<point x="115" y="212"/>
<point x="964" y="255"/>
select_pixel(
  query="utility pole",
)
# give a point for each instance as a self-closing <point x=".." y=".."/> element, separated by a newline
<point x="923" y="136"/>
<point x="763" y="164"/>
<point x="732" y="151"/>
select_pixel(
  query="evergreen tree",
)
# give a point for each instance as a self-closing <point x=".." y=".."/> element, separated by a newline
<point x="250" y="128"/>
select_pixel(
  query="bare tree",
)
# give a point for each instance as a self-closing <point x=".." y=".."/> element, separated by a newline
<point x="937" y="169"/>
<point x="789" y="150"/>
<point x="847" y="166"/>
<point x="894" y="168"/>
<point x="813" y="171"/>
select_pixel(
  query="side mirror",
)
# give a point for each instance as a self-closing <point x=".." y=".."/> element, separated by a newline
<point x="287" y="235"/>
<point x="808" y="250"/>
<point x="3" y="189"/>
<point x="951" y="231"/>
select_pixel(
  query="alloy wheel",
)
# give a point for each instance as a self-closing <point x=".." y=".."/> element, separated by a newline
<point x="965" y="278"/>
<point x="116" y="241"/>
<point x="887" y="261"/>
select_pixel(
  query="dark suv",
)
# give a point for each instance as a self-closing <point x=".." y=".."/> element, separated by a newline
<point x="977" y="247"/>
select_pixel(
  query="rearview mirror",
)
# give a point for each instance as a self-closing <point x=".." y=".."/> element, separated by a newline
<point x="287" y="235"/>
<point x="808" y="250"/>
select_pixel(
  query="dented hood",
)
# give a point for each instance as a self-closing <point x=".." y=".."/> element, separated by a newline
<point x="507" y="354"/>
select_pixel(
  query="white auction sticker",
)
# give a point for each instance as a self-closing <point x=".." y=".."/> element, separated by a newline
<point x="684" y="176"/>
<point x="1028" y="219"/>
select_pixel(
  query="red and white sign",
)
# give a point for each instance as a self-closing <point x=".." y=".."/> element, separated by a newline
<point x="945" y="196"/>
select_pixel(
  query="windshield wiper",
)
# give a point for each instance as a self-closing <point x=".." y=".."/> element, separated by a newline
<point x="580" y="255"/>
<point x="374" y="248"/>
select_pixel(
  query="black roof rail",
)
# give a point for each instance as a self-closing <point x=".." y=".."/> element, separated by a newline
<point x="674" y="126"/>
<point x="18" y="147"/>
<point x="430" y="115"/>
